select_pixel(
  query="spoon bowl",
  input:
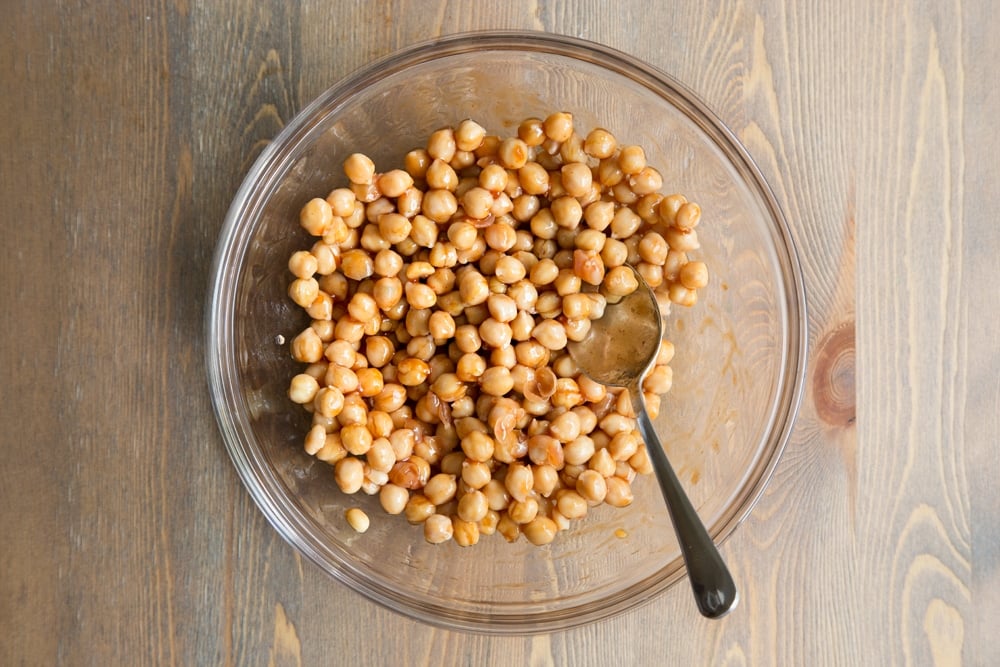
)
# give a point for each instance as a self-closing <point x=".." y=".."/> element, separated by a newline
<point x="618" y="351"/>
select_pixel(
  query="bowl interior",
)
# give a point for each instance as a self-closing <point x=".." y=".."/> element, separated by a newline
<point x="736" y="370"/>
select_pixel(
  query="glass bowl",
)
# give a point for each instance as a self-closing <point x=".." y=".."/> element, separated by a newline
<point x="740" y="352"/>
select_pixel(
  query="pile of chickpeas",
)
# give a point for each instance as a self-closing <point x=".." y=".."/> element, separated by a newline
<point x="442" y="297"/>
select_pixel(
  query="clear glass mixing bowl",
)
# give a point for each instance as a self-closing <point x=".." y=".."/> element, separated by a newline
<point x="738" y="371"/>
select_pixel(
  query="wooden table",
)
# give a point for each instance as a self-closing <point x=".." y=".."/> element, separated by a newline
<point x="125" y="129"/>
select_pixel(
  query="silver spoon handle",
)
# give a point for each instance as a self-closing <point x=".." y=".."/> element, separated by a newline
<point x="713" y="586"/>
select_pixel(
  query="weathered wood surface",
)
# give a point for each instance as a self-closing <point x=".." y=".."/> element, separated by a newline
<point x="125" y="130"/>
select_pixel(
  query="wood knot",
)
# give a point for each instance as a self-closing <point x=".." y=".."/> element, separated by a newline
<point x="833" y="377"/>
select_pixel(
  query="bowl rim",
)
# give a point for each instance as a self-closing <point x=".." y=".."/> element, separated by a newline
<point x="252" y="466"/>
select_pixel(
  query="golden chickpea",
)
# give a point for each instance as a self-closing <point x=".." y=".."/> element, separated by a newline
<point x="619" y="492"/>
<point x="571" y="504"/>
<point x="439" y="205"/>
<point x="558" y="126"/>
<point x="362" y="307"/>
<point x="646" y="181"/>
<point x="620" y="281"/>
<point x="307" y="346"/>
<point x="531" y="131"/>
<point x="441" y="145"/>
<point x="533" y="178"/>
<point x="411" y="372"/>
<point x="303" y="264"/>
<point x="438" y="529"/>
<point x="513" y="153"/>
<point x="496" y="381"/>
<point x="508" y="270"/>
<point x="467" y="338"/>
<point x="303" y="388"/>
<point x="390" y="398"/>
<point x="359" y="168"/>
<point x="356" y="439"/>
<point x="315" y="216"/>
<point x="470" y="367"/>
<point x="473" y="288"/>
<point x="410" y="202"/>
<point x="567" y="212"/>
<point x="349" y="474"/>
<point x="500" y="236"/>
<point x="393" y="498"/>
<point x="475" y="474"/>
<point x="370" y="382"/>
<point x="632" y="159"/>
<point x="549" y="305"/>
<point x="519" y="481"/>
<point x="592" y="486"/>
<point x="524" y="207"/>
<point x="659" y="380"/>
<point x="315" y="439"/>
<point x="473" y="506"/>
<point x="465" y="533"/>
<point x="681" y="295"/>
<point x="688" y="216"/>
<point x="441" y="325"/>
<point x="495" y="334"/>
<point x="541" y="531"/>
<point x="565" y="427"/>
<point x="551" y="334"/>
<point x="418" y="508"/>
<point x="469" y="135"/>
<point x="393" y="183"/>
<point x="694" y="275"/>
<point x="576" y="179"/>
<point x="440" y="488"/>
<point x="683" y="240"/>
<point x="303" y="291"/>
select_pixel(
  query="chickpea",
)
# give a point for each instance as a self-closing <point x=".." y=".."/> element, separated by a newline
<point x="620" y="281"/>
<point x="513" y="153"/>
<point x="551" y="334"/>
<point x="439" y="205"/>
<point x="359" y="168"/>
<point x="475" y="474"/>
<point x="438" y="528"/>
<point x="349" y="474"/>
<point x="694" y="275"/>
<point x="567" y="212"/>
<point x="393" y="498"/>
<point x="440" y="488"/>
<point x="473" y="288"/>
<point x="496" y="381"/>
<point x="533" y="178"/>
<point x="303" y="388"/>
<point x="470" y="367"/>
<point x="469" y="135"/>
<point x="602" y="462"/>
<point x="509" y="270"/>
<point x="681" y="295"/>
<point x="558" y="126"/>
<point x="495" y="334"/>
<point x="592" y="486"/>
<point x="541" y="531"/>
<point x="576" y="179"/>
<point x="646" y="181"/>
<point x="519" y="481"/>
<point x="684" y="240"/>
<point x="572" y="504"/>
<point x="619" y="492"/>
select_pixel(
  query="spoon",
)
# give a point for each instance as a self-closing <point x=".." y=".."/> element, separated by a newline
<point x="618" y="351"/>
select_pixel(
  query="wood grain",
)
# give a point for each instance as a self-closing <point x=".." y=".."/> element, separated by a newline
<point x="128" y="127"/>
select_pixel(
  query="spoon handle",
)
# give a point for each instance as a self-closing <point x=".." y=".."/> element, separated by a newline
<point x="713" y="586"/>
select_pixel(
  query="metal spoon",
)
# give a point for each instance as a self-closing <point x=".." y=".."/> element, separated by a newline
<point x="618" y="351"/>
